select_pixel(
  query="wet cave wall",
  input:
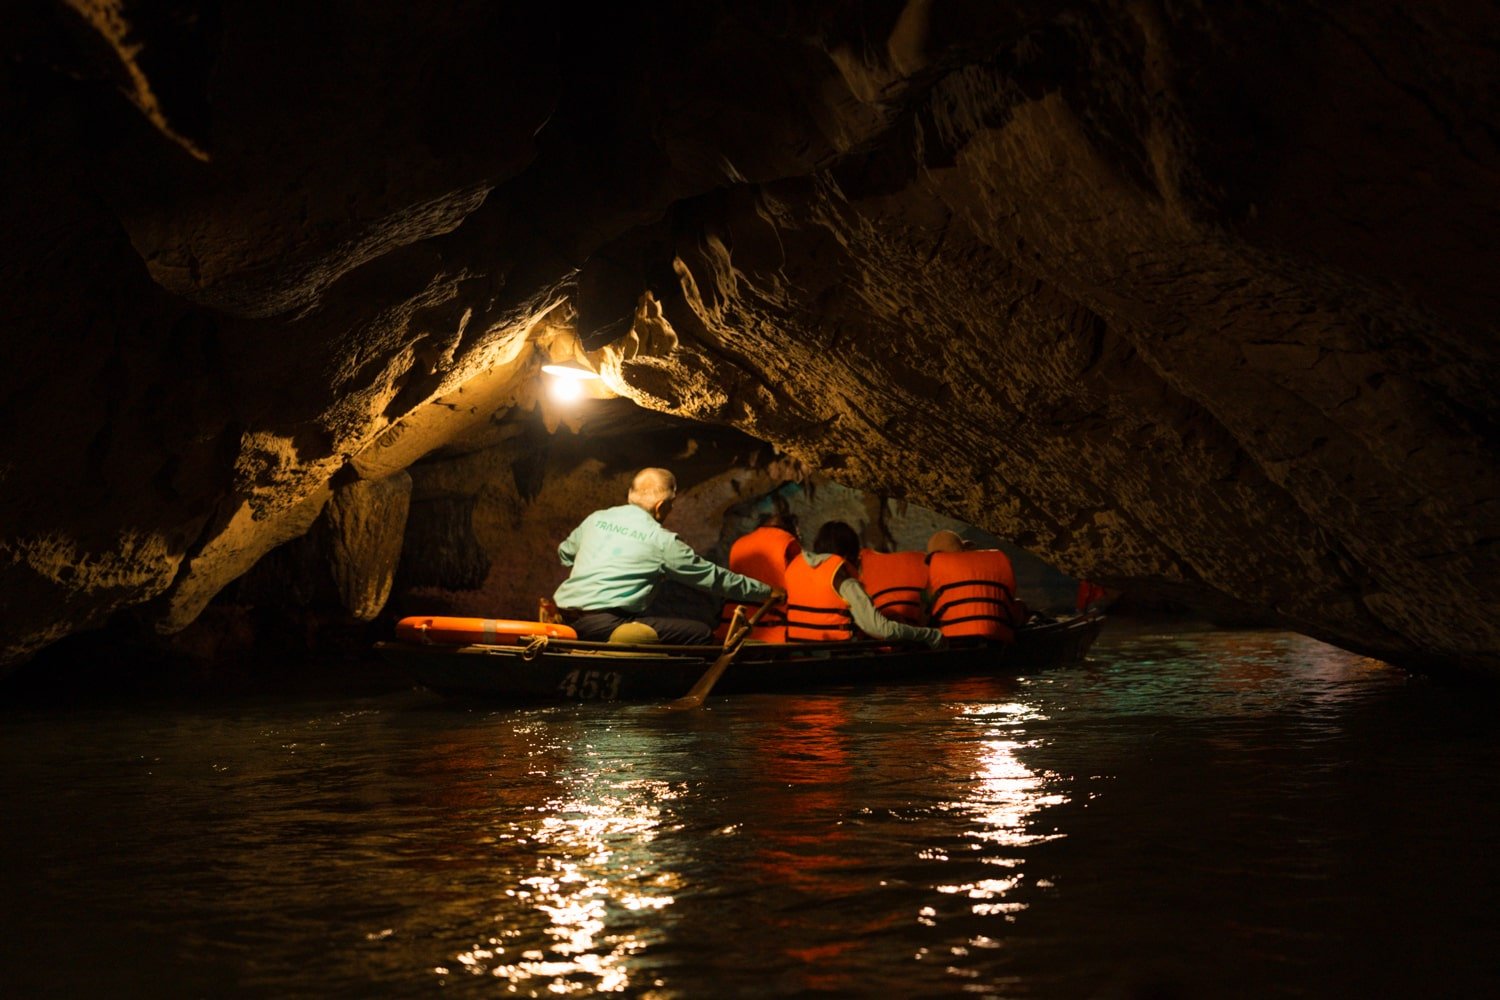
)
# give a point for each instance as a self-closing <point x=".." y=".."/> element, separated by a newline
<point x="1195" y="300"/>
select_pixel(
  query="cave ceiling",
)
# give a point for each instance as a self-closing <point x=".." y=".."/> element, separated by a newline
<point x="1190" y="298"/>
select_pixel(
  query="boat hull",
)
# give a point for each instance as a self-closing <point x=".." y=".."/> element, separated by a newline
<point x="577" y="671"/>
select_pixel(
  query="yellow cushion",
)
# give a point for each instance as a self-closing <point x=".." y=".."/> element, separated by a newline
<point x="635" y="633"/>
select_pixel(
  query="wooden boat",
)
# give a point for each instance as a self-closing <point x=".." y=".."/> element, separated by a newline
<point x="543" y="668"/>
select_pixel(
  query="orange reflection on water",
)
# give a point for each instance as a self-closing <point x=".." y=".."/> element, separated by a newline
<point x="811" y="759"/>
<point x="814" y="856"/>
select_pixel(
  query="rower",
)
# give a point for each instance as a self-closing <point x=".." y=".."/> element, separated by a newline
<point x="619" y="557"/>
<point x="825" y="602"/>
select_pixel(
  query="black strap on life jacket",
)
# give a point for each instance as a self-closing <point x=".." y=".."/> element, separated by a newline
<point x="915" y="592"/>
<point x="939" y="608"/>
<point x="914" y="601"/>
<point x="845" y="622"/>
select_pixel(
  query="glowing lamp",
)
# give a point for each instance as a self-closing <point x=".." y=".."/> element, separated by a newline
<point x="567" y="381"/>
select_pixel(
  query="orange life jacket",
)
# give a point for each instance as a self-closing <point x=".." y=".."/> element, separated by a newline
<point x="1088" y="593"/>
<point x="815" y="611"/>
<point x="895" y="581"/>
<point x="762" y="555"/>
<point x="973" y="593"/>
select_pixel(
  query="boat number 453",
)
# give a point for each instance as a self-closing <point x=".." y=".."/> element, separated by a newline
<point x="590" y="685"/>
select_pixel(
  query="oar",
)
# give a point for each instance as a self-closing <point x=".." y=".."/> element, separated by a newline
<point x="732" y="645"/>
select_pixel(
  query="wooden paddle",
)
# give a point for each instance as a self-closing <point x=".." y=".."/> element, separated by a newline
<point x="732" y="645"/>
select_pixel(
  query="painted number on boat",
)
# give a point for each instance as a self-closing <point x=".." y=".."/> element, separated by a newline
<point x="591" y="684"/>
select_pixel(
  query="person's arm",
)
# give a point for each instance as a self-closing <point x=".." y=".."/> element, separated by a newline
<point x="873" y="623"/>
<point x="568" y="550"/>
<point x="685" y="566"/>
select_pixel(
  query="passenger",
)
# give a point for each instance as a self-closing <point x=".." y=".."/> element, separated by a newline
<point x="895" y="582"/>
<point x="973" y="591"/>
<point x="1089" y="594"/>
<point x="763" y="554"/>
<point x="621" y="555"/>
<point x="825" y="602"/>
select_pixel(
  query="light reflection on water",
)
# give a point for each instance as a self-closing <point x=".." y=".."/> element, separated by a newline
<point x="1206" y="814"/>
<point x="595" y="856"/>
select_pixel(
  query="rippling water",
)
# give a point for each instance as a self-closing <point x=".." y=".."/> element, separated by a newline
<point x="1203" y="814"/>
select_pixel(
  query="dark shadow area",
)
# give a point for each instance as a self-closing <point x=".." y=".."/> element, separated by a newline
<point x="270" y="652"/>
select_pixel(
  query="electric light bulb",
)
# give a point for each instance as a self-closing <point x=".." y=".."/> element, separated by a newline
<point x="566" y="390"/>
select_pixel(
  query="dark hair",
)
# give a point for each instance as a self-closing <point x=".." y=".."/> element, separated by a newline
<point x="837" y="538"/>
<point x="779" y="519"/>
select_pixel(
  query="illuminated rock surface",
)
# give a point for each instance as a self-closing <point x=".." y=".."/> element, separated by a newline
<point x="1197" y="302"/>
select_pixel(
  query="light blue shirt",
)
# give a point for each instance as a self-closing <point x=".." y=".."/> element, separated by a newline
<point x="619" y="556"/>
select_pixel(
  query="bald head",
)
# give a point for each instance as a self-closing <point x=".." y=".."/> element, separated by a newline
<point x="652" y="488"/>
<point x="944" y="541"/>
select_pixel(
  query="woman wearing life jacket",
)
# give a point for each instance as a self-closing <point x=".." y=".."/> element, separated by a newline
<point x="973" y="591"/>
<point x="895" y="582"/>
<point x="825" y="602"/>
<point x="763" y="555"/>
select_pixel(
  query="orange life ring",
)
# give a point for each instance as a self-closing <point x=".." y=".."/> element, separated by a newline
<point x="476" y="631"/>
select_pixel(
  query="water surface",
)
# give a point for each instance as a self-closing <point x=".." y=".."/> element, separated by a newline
<point x="1204" y="813"/>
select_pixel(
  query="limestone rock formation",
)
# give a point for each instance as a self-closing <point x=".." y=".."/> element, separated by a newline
<point x="367" y="521"/>
<point x="1191" y="298"/>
